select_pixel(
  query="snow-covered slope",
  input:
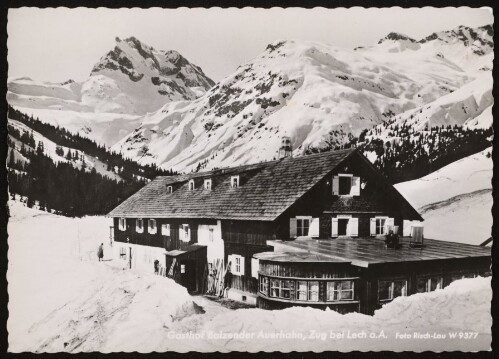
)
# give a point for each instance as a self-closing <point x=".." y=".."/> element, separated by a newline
<point x="304" y="90"/>
<point x="455" y="201"/>
<point x="128" y="81"/>
<point x="49" y="146"/>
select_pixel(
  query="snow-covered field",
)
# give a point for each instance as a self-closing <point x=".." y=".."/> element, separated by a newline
<point x="455" y="201"/>
<point x="62" y="299"/>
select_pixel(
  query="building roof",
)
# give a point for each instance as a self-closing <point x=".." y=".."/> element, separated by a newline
<point x="266" y="190"/>
<point x="297" y="257"/>
<point x="366" y="252"/>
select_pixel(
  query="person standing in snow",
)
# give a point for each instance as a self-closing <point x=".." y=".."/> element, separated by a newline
<point x="227" y="282"/>
<point x="100" y="252"/>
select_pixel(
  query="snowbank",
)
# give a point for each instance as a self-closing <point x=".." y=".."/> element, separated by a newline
<point x="461" y="307"/>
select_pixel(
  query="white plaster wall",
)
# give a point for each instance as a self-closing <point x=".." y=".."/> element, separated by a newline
<point x="215" y="248"/>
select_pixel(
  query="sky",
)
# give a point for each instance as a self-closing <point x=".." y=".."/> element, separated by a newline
<point x="59" y="44"/>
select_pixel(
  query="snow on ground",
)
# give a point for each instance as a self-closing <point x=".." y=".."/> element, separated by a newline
<point x="455" y="201"/>
<point x="63" y="299"/>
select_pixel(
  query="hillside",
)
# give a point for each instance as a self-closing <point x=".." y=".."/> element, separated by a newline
<point x="305" y="90"/>
<point x="455" y="201"/>
<point x="130" y="80"/>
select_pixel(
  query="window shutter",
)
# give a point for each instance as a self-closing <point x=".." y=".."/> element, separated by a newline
<point x="390" y="222"/>
<point x="353" y="226"/>
<point x="181" y="232"/>
<point x="242" y="266"/>
<point x="314" y="228"/>
<point x="334" y="227"/>
<point x="255" y="265"/>
<point x="336" y="185"/>
<point x="373" y="226"/>
<point x="292" y="228"/>
<point x="406" y="231"/>
<point x="188" y="234"/>
<point x="355" y="190"/>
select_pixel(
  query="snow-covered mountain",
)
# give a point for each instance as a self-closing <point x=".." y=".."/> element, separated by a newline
<point x="129" y="81"/>
<point x="304" y="90"/>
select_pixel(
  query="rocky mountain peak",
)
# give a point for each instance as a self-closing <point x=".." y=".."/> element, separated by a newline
<point x="395" y="36"/>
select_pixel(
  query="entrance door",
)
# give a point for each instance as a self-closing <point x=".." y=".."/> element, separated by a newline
<point x="188" y="275"/>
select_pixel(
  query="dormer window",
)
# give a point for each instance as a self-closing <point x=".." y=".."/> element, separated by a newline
<point x="346" y="185"/>
<point x="169" y="189"/>
<point x="207" y="184"/>
<point x="191" y="185"/>
<point x="234" y="181"/>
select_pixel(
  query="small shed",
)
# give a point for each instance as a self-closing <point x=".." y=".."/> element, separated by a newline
<point x="188" y="267"/>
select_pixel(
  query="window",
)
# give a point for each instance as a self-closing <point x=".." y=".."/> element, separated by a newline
<point x="380" y="226"/>
<point x="429" y="284"/>
<point x="152" y="226"/>
<point x="207" y="184"/>
<point x="234" y="181"/>
<point x="281" y="288"/>
<point x="459" y="276"/>
<point x="313" y="291"/>
<point x="139" y="225"/>
<point x="264" y="285"/>
<point x="390" y="289"/>
<point x="302" y="226"/>
<point x="342" y="226"/>
<point x="122" y="253"/>
<point x="346" y="185"/>
<point x="185" y="233"/>
<point x="236" y="264"/>
<point x="191" y="185"/>
<point x="301" y="290"/>
<point x="275" y="288"/>
<point x="169" y="189"/>
<point x="165" y="229"/>
<point x="340" y="290"/>
<point x="122" y="224"/>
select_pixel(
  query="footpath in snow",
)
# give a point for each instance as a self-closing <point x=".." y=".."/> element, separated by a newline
<point x="63" y="299"/>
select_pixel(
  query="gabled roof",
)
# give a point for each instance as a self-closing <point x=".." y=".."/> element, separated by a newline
<point x="266" y="191"/>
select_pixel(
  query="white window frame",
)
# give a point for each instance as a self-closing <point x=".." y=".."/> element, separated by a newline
<point x="392" y="289"/>
<point x="385" y="218"/>
<point x="264" y="285"/>
<point x="236" y="264"/>
<point x="331" y="291"/>
<point x="302" y="219"/>
<point x="152" y="229"/>
<point x="310" y="291"/>
<point x="207" y="184"/>
<point x="192" y="185"/>
<point x="139" y="225"/>
<point x="344" y="216"/>
<point x="232" y="178"/>
<point x="165" y="229"/>
<point x="185" y="233"/>
<point x="351" y="179"/>
<point x="169" y="189"/>
<point x="122" y="224"/>
<point x="428" y="282"/>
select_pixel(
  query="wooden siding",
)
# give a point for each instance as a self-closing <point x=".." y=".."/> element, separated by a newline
<point x="171" y="242"/>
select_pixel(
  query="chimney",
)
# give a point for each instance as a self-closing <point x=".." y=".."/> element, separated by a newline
<point x="285" y="150"/>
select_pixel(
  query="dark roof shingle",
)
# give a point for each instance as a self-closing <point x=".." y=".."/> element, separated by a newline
<point x="267" y="190"/>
